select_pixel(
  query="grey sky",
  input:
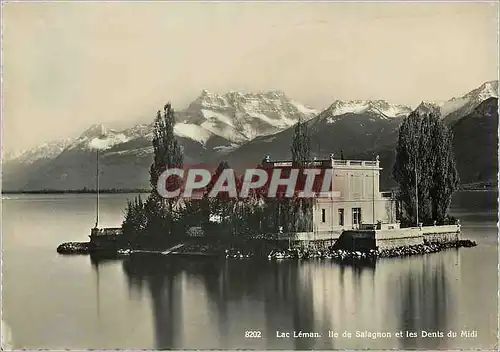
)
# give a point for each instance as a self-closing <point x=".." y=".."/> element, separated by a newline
<point x="68" y="65"/>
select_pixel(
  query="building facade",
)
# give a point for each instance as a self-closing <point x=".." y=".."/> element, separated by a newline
<point x="354" y="201"/>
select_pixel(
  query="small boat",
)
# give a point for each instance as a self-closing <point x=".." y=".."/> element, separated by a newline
<point x="124" y="252"/>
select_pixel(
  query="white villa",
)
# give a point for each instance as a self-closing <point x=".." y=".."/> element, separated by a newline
<point x="355" y="201"/>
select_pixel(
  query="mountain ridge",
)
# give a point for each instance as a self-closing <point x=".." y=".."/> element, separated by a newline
<point x="239" y="127"/>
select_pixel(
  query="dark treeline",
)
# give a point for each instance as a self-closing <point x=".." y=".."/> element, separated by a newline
<point x="78" y="191"/>
<point x="489" y="185"/>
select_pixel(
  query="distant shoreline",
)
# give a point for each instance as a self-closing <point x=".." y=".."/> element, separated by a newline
<point x="466" y="187"/>
<point x="104" y="191"/>
<point x="478" y="187"/>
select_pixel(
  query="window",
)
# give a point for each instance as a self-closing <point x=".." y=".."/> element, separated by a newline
<point x="356" y="216"/>
<point x="341" y="217"/>
<point x="323" y="215"/>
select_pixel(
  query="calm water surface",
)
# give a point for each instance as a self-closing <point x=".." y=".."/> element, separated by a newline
<point x="54" y="301"/>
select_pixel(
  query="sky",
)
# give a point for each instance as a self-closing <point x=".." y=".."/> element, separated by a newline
<point x="68" y="65"/>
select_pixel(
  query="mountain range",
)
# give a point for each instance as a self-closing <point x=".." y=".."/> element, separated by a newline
<point x="244" y="127"/>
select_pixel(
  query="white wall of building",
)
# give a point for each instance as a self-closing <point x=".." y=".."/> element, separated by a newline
<point x="356" y="185"/>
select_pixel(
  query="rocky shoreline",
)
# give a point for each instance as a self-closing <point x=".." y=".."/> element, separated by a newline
<point x="296" y="253"/>
<point x="74" y="248"/>
<point x="341" y="254"/>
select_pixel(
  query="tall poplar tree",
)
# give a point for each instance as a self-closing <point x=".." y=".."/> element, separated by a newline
<point x="425" y="168"/>
<point x="157" y="215"/>
<point x="301" y="144"/>
<point x="300" y="209"/>
<point x="167" y="155"/>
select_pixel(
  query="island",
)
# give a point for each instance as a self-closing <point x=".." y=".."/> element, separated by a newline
<point x="302" y="207"/>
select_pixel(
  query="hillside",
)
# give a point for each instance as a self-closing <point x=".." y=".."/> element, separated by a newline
<point x="475" y="143"/>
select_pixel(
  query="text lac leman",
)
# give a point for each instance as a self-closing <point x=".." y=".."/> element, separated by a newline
<point x="297" y="334"/>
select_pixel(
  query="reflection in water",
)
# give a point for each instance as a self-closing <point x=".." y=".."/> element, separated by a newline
<point x="99" y="262"/>
<point x="428" y="291"/>
<point x="161" y="279"/>
<point x="198" y="304"/>
<point x="237" y="296"/>
<point x="207" y="303"/>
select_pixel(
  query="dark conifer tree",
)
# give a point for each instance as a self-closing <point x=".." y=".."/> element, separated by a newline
<point x="222" y="205"/>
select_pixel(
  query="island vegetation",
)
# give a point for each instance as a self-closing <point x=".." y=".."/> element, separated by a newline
<point x="158" y="222"/>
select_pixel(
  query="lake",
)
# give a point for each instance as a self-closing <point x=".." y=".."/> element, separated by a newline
<point x="55" y="301"/>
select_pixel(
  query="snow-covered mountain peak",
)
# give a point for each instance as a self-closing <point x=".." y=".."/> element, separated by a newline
<point x="485" y="91"/>
<point x="274" y="94"/>
<point x="95" y="130"/>
<point x="463" y="105"/>
<point x="144" y="130"/>
<point x="239" y="117"/>
<point x="377" y="107"/>
<point x="427" y="107"/>
<point x="11" y="155"/>
<point x="208" y="99"/>
<point x="46" y="150"/>
<point x="100" y="137"/>
<point x="235" y="98"/>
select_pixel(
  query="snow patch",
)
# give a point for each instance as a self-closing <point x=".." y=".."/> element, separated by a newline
<point x="268" y="120"/>
<point x="226" y="148"/>
<point x="215" y="116"/>
<point x="225" y="131"/>
<point x="107" y="141"/>
<point x="139" y="152"/>
<point x="352" y="107"/>
<point x="304" y="109"/>
<point x="192" y="131"/>
<point x="379" y="107"/>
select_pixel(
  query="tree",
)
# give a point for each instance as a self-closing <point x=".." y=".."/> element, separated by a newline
<point x="158" y="215"/>
<point x="301" y="144"/>
<point x="446" y="179"/>
<point x="167" y="151"/>
<point x="167" y="155"/>
<point x="425" y="166"/>
<point x="135" y="220"/>
<point x="300" y="209"/>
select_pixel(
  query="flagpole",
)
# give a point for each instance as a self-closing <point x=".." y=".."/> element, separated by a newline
<point x="373" y="194"/>
<point x="416" y="188"/>
<point x="97" y="189"/>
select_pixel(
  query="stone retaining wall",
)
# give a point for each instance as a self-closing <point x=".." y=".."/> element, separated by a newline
<point x="107" y="231"/>
<point x="386" y="239"/>
<point x="388" y="243"/>
<point x="416" y="235"/>
<point x="313" y="244"/>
